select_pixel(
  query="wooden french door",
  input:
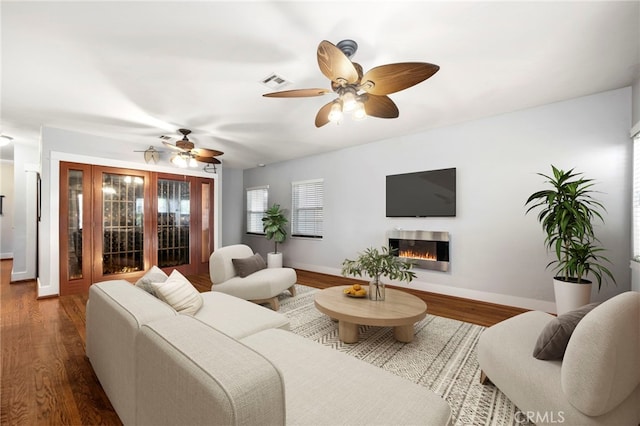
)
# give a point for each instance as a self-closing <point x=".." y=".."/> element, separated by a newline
<point x="121" y="223"/>
<point x="116" y="223"/>
<point x="75" y="228"/>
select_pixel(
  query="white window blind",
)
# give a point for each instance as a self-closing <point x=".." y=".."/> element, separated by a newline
<point x="257" y="199"/>
<point x="307" y="208"/>
<point x="636" y="198"/>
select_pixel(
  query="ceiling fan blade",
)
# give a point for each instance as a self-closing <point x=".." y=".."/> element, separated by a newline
<point x="322" y="117"/>
<point x="204" y="152"/>
<point x="172" y="146"/>
<point x="297" y="93"/>
<point x="381" y="107"/>
<point x="335" y="65"/>
<point x="209" y="160"/>
<point x="392" y="78"/>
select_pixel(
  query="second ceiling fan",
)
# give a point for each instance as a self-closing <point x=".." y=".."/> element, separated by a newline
<point x="186" y="154"/>
<point x="360" y="93"/>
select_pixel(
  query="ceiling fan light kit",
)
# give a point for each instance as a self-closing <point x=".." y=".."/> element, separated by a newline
<point x="187" y="155"/>
<point x="361" y="94"/>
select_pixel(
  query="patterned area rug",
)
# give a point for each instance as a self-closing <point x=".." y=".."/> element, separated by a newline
<point x="442" y="357"/>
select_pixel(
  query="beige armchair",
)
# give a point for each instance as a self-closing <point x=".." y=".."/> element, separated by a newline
<point x="260" y="286"/>
<point x="596" y="383"/>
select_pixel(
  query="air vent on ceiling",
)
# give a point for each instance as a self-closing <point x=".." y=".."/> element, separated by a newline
<point x="274" y="81"/>
<point x="165" y="137"/>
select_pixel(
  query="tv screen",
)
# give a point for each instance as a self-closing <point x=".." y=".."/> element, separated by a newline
<point x="430" y="193"/>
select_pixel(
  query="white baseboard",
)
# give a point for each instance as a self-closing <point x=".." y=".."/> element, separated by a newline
<point x="45" y="291"/>
<point x="500" y="299"/>
<point x="21" y="276"/>
<point x="6" y="256"/>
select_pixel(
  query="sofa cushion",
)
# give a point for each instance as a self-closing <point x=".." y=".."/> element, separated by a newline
<point x="153" y="275"/>
<point x="554" y="338"/>
<point x="248" y="265"/>
<point x="263" y="284"/>
<point x="327" y="387"/>
<point x="236" y="317"/>
<point x="179" y="293"/>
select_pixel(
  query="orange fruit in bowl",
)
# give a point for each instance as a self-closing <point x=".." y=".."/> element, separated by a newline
<point x="357" y="287"/>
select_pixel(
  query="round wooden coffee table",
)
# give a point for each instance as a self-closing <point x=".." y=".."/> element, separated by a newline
<point x="399" y="310"/>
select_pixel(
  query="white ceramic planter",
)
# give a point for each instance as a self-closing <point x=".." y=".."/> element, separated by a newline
<point x="274" y="260"/>
<point x="570" y="296"/>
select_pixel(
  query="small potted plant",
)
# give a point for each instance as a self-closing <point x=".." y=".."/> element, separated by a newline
<point x="567" y="214"/>
<point x="274" y="225"/>
<point x="378" y="264"/>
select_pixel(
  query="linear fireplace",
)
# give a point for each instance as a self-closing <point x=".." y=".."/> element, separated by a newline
<point x="425" y="249"/>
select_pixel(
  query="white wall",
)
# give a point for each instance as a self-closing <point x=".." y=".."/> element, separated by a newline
<point x="62" y="145"/>
<point x="231" y="203"/>
<point x="497" y="253"/>
<point x="6" y="219"/>
<point x="25" y="167"/>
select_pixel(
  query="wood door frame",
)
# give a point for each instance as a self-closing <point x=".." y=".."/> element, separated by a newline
<point x="77" y="285"/>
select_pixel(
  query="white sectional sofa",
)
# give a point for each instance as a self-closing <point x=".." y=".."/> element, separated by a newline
<point x="115" y="312"/>
<point x="596" y="383"/>
<point x="234" y="365"/>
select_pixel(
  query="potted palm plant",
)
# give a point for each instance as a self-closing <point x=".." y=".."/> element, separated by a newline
<point x="378" y="264"/>
<point x="274" y="225"/>
<point x="567" y="212"/>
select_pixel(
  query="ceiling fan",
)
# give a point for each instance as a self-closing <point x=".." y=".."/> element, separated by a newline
<point x="362" y="94"/>
<point x="187" y="155"/>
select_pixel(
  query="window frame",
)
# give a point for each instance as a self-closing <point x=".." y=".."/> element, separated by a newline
<point x="317" y="229"/>
<point x="259" y="213"/>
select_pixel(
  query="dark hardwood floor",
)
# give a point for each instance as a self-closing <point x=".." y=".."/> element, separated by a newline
<point x="47" y="380"/>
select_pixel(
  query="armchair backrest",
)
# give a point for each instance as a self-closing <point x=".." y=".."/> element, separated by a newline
<point x="601" y="366"/>
<point x="220" y="265"/>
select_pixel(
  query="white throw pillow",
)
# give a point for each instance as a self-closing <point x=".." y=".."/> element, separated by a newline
<point x="153" y="275"/>
<point x="179" y="293"/>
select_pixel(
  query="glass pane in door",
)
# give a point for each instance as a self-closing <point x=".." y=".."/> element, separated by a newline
<point x="74" y="221"/>
<point x="205" y="249"/>
<point x="123" y="223"/>
<point x="173" y="222"/>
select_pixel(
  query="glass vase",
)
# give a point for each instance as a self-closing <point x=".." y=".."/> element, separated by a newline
<point x="376" y="290"/>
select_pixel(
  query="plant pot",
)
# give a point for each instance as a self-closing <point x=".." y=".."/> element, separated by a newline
<point x="274" y="260"/>
<point x="570" y="295"/>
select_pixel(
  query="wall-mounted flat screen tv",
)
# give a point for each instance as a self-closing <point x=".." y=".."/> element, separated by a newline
<point x="430" y="193"/>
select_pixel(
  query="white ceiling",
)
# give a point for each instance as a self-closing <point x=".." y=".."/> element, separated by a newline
<point x="136" y="70"/>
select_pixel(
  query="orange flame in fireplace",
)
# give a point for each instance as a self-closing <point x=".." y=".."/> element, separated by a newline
<point x="413" y="254"/>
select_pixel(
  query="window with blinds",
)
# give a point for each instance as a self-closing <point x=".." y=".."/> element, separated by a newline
<point x="636" y="198"/>
<point x="257" y="199"/>
<point x="307" y="208"/>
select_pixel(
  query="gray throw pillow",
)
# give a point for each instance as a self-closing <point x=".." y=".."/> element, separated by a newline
<point x="553" y="341"/>
<point x="248" y="265"/>
<point x="154" y="275"/>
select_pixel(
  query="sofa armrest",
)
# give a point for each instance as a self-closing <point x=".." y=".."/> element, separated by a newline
<point x="190" y="373"/>
<point x="115" y="311"/>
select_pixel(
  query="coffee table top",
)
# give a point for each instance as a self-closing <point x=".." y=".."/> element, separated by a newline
<point x="398" y="308"/>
